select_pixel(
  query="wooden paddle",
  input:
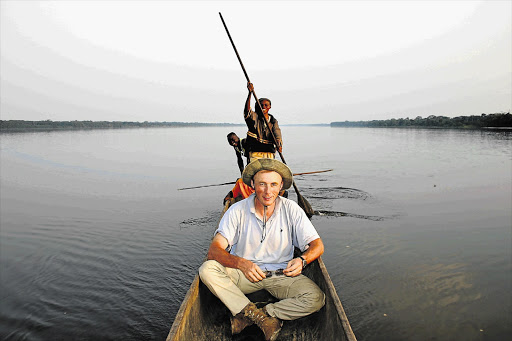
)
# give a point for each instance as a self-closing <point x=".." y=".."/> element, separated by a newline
<point x="300" y="199"/>
<point x="233" y="182"/>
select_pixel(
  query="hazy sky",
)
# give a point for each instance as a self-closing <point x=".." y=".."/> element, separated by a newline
<point x="317" y="61"/>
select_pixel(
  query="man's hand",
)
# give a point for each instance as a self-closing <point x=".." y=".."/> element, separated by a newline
<point x="294" y="267"/>
<point x="251" y="271"/>
<point x="227" y="197"/>
<point x="279" y="146"/>
<point x="250" y="87"/>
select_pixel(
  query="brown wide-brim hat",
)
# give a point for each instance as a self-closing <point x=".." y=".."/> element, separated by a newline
<point x="270" y="165"/>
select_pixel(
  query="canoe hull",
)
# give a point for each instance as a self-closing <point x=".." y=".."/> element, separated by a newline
<point x="202" y="316"/>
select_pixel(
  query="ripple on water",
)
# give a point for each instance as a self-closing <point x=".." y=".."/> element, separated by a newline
<point x="71" y="274"/>
<point x="322" y="193"/>
<point x="209" y="220"/>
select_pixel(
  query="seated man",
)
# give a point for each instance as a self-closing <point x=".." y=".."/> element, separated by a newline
<point x="261" y="233"/>
<point x="239" y="192"/>
<point x="239" y="147"/>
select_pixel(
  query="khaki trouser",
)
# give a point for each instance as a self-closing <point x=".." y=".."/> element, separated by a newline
<point x="260" y="155"/>
<point x="299" y="296"/>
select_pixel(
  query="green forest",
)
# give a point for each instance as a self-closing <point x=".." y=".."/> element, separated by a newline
<point x="498" y="120"/>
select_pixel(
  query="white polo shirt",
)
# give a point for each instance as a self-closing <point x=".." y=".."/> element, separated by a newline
<point x="288" y="227"/>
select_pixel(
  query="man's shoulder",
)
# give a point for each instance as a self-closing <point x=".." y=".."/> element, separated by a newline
<point x="287" y="201"/>
<point x="251" y="114"/>
<point x="272" y="118"/>
<point x="242" y="205"/>
<point x="289" y="204"/>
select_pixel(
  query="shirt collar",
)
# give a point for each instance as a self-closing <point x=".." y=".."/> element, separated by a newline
<point x="252" y="208"/>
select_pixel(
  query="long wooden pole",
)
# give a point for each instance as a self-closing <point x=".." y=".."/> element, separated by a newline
<point x="233" y="182"/>
<point x="300" y="199"/>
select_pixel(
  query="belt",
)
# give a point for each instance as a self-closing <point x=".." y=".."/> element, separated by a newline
<point x="278" y="272"/>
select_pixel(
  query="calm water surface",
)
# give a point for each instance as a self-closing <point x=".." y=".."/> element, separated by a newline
<point x="97" y="243"/>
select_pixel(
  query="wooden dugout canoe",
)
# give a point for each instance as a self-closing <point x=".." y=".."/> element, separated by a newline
<point x="203" y="317"/>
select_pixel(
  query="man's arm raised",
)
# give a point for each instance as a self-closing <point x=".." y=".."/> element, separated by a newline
<point x="218" y="252"/>
<point x="247" y="107"/>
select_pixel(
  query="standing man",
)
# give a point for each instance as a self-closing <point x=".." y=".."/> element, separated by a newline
<point x="239" y="147"/>
<point x="260" y="143"/>
<point x="261" y="233"/>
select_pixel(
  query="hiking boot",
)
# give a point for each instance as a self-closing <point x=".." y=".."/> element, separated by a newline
<point x="239" y="322"/>
<point x="270" y="326"/>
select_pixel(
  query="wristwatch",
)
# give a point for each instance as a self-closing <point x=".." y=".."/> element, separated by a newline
<point x="304" y="262"/>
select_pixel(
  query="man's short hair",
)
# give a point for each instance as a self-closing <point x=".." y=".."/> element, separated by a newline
<point x="264" y="99"/>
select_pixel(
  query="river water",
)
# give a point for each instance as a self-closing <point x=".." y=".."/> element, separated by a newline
<point x="97" y="243"/>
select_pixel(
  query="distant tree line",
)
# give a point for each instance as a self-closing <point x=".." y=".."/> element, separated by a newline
<point x="14" y="125"/>
<point x="470" y="122"/>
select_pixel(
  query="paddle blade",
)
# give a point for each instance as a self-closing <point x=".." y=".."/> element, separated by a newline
<point x="304" y="204"/>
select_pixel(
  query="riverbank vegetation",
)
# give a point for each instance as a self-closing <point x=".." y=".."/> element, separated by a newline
<point x="498" y="120"/>
<point x="20" y="125"/>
